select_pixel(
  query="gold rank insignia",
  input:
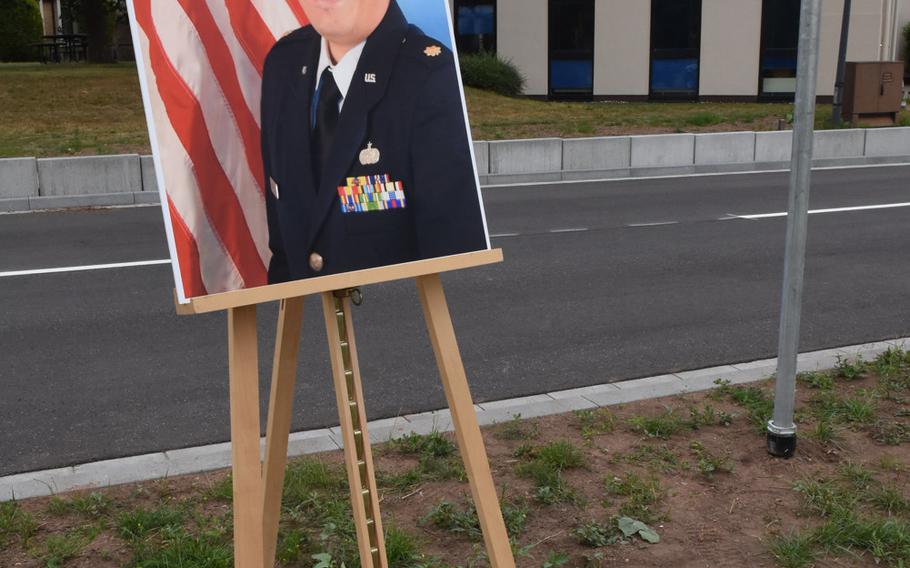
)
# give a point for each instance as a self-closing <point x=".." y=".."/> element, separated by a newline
<point x="432" y="51"/>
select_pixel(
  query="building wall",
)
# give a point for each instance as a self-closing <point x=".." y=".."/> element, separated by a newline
<point x="730" y="43"/>
<point x="522" y="37"/>
<point x="730" y="47"/>
<point x="622" y="45"/>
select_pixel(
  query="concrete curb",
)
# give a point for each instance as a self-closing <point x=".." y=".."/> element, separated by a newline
<point x="218" y="456"/>
<point x="27" y="184"/>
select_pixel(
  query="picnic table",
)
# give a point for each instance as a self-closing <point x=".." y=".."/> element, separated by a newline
<point x="59" y="48"/>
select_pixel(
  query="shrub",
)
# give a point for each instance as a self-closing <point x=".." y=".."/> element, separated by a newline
<point x="20" y="25"/>
<point x="487" y="71"/>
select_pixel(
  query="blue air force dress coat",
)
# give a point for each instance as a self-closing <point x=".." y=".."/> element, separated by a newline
<point x="398" y="184"/>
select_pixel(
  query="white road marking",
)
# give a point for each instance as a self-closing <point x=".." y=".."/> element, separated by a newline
<point x="833" y="210"/>
<point x="569" y="230"/>
<point x="505" y="235"/>
<point x="677" y="176"/>
<point x="658" y="224"/>
<point x="83" y="268"/>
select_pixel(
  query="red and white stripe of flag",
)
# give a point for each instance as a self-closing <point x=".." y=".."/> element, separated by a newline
<point x="201" y="71"/>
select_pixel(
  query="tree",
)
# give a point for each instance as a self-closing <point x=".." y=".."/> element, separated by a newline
<point x="97" y="19"/>
<point x="20" y="26"/>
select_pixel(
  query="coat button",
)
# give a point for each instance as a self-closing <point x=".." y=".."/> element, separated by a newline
<point x="316" y="262"/>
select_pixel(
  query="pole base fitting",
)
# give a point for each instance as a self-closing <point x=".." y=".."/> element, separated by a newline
<point x="781" y="446"/>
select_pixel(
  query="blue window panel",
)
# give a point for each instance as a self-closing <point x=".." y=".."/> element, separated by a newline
<point x="674" y="75"/>
<point x="778" y="62"/>
<point x="572" y="74"/>
<point x="475" y="20"/>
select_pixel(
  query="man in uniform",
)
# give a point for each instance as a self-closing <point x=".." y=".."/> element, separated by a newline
<point x="366" y="153"/>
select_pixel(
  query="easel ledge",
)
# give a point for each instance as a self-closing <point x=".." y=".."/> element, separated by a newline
<point x="298" y="288"/>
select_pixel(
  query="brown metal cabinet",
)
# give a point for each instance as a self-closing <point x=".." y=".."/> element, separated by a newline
<point x="872" y="92"/>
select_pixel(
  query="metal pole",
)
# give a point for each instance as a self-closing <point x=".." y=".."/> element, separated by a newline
<point x="781" y="429"/>
<point x="841" y="64"/>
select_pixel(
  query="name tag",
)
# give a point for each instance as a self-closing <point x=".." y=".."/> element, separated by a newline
<point x="371" y="193"/>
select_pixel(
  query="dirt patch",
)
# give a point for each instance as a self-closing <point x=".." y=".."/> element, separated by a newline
<point x="694" y="468"/>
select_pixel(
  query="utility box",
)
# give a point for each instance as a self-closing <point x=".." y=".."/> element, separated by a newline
<point x="872" y="92"/>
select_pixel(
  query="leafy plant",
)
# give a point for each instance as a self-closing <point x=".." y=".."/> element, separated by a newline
<point x="490" y="72"/>
<point x="595" y="534"/>
<point x="631" y="527"/>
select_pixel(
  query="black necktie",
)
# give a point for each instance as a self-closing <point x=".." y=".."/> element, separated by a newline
<point x="326" y="121"/>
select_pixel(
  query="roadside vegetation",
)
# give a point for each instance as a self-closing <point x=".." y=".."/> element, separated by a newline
<point x="676" y="481"/>
<point x="65" y="110"/>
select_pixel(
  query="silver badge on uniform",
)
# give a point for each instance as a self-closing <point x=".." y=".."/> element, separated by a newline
<point x="369" y="155"/>
<point x="369" y="77"/>
<point x="274" y="187"/>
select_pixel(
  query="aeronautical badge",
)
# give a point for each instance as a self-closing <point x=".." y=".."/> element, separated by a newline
<point x="432" y="51"/>
<point x="369" y="155"/>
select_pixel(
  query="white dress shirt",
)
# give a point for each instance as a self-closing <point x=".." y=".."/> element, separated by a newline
<point x="343" y="71"/>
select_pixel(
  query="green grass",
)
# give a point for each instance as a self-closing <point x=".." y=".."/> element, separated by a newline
<point x="463" y="520"/>
<point x="517" y="429"/>
<point x="15" y="523"/>
<point x="97" y="109"/>
<point x="793" y="551"/>
<point x="655" y="458"/>
<point x="437" y="460"/>
<point x="58" y="548"/>
<point x="861" y="515"/>
<point x="179" y="547"/>
<point x="594" y="422"/>
<point x="754" y="400"/>
<point x="56" y="110"/>
<point x="139" y="524"/>
<point x="95" y="505"/>
<point x="545" y="465"/>
<point x="662" y="426"/>
<point x="642" y="496"/>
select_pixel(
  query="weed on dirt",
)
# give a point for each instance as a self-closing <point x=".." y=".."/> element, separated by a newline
<point x="680" y="481"/>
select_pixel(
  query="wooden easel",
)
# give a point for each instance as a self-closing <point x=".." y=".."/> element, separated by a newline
<point x="258" y="484"/>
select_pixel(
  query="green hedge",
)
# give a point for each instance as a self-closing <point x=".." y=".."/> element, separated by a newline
<point x="20" y="25"/>
<point x="487" y="71"/>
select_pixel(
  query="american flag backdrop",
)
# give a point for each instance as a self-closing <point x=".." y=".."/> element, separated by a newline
<point x="200" y="64"/>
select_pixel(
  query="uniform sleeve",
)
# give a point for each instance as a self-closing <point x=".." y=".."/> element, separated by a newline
<point x="278" y="266"/>
<point x="444" y="195"/>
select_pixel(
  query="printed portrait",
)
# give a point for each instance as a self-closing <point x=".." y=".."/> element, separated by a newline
<point x="302" y="138"/>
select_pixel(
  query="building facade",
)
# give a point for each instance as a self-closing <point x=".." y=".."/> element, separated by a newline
<point x="671" y="49"/>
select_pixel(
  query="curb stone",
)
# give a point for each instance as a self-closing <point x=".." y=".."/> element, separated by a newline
<point x="218" y="456"/>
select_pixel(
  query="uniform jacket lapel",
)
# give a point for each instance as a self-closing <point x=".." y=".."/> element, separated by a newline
<point x="296" y="126"/>
<point x="378" y="57"/>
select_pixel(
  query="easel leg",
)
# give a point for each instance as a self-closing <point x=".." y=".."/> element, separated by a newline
<point x="247" y="470"/>
<point x="281" y="402"/>
<point x="470" y="441"/>
<point x="352" y="415"/>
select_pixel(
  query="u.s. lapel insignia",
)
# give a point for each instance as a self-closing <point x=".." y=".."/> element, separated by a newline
<point x="304" y="70"/>
<point x="369" y="155"/>
<point x="432" y="51"/>
<point x="369" y="77"/>
<point x="274" y="187"/>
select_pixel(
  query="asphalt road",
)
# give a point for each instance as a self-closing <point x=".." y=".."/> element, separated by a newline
<point x="603" y="281"/>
